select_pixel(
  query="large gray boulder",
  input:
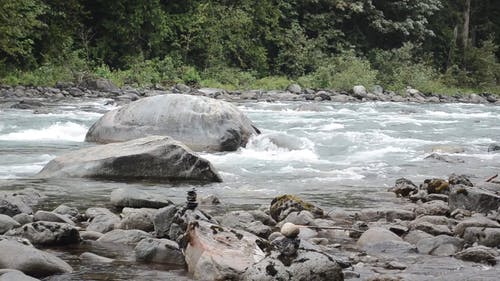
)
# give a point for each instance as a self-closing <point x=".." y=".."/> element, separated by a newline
<point x="7" y="223"/>
<point x="203" y="124"/>
<point x="473" y="199"/>
<point x="102" y="220"/>
<point x="154" y="157"/>
<point x="159" y="251"/>
<point x="30" y="260"/>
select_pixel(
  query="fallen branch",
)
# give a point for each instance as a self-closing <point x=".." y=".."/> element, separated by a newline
<point x="492" y="178"/>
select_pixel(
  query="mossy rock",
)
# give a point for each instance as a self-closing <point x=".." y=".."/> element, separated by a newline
<point x="283" y="205"/>
<point x="437" y="186"/>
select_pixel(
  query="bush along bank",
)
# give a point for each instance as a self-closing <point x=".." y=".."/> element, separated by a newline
<point x="25" y="97"/>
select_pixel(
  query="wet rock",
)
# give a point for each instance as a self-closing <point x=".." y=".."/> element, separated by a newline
<point x="459" y="179"/>
<point x="475" y="221"/>
<point x="99" y="84"/>
<point x="263" y="217"/>
<point x="93" y="258"/>
<point x="435" y="196"/>
<point x="159" y="251"/>
<point x="479" y="254"/>
<point x="102" y="220"/>
<point x="436" y="186"/>
<point x="416" y="235"/>
<point x="290" y="230"/>
<point x="306" y="265"/>
<point x="14" y="275"/>
<point x="404" y="187"/>
<point x="23" y="218"/>
<point x="371" y="215"/>
<point x="395" y="265"/>
<point x="201" y="123"/>
<point x="27" y="104"/>
<point x="121" y="236"/>
<point x="473" y="199"/>
<point x="433" y="208"/>
<point x="444" y="158"/>
<point x="300" y="218"/>
<point x="283" y="205"/>
<point x="399" y="230"/>
<point x="136" y="198"/>
<point x="7" y="223"/>
<point x="376" y="235"/>
<point x="51" y="217"/>
<point x="442" y="245"/>
<point x="13" y="203"/>
<point x="141" y="219"/>
<point x="70" y="212"/>
<point x="483" y="236"/>
<point x="494" y="147"/>
<point x="163" y="219"/>
<point x="154" y="157"/>
<point x="431" y="228"/>
<point x="30" y="260"/>
<point x="219" y="253"/>
<point x="47" y="233"/>
<point x="90" y="235"/>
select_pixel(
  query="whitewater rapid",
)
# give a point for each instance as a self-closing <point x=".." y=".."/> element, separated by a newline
<point x="338" y="154"/>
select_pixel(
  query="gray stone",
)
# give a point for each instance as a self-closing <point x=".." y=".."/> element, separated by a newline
<point x="494" y="147"/>
<point x="23" y="218"/>
<point x="416" y="235"/>
<point x="99" y="84"/>
<point x="376" y="235"/>
<point x="13" y="203"/>
<point x="159" y="251"/>
<point x="483" y="236"/>
<point x="47" y="233"/>
<point x="219" y="253"/>
<point x="431" y="228"/>
<point x="478" y="254"/>
<point x="473" y="199"/>
<point x="359" y="91"/>
<point x="404" y="187"/>
<point x="70" y="212"/>
<point x="442" y="245"/>
<point x="136" y="198"/>
<point x="15" y="275"/>
<point x="475" y="221"/>
<point x="210" y="200"/>
<point x="433" y="208"/>
<point x="7" y="223"/>
<point x="371" y="215"/>
<point x="52" y="217"/>
<point x="154" y="157"/>
<point x="93" y="258"/>
<point x="201" y="123"/>
<point x="299" y="218"/>
<point x="102" y="220"/>
<point x="30" y="260"/>
<point x="120" y="236"/>
<point x="162" y="220"/>
<point x="90" y="235"/>
<point x="455" y="179"/>
<point x="283" y="205"/>
<point x="141" y="219"/>
<point x="294" y="88"/>
<point x="263" y="217"/>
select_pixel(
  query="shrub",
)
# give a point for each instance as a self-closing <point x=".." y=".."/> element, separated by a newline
<point x="341" y="72"/>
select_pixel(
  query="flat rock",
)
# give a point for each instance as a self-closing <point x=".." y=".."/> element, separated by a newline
<point x="434" y="229"/>
<point x="219" y="253"/>
<point x="30" y="260"/>
<point x="153" y="158"/>
<point x="52" y="217"/>
<point x="93" y="258"/>
<point x="202" y="123"/>
<point x="101" y="220"/>
<point x="120" y="236"/>
<point x="433" y="208"/>
<point x="478" y="254"/>
<point x="136" y="198"/>
<point x="475" y="221"/>
<point x="7" y="223"/>
<point x="141" y="219"/>
<point x="47" y="233"/>
<point x="442" y="245"/>
<point x="159" y="251"/>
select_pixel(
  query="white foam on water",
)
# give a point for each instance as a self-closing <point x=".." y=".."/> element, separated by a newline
<point x="331" y="127"/>
<point x="375" y="154"/>
<point x="351" y="173"/>
<point x="60" y="131"/>
<point x="457" y="115"/>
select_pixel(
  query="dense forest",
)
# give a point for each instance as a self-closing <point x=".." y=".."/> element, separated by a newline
<point x="433" y="45"/>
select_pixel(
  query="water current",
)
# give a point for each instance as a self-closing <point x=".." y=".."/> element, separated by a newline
<point x="337" y="155"/>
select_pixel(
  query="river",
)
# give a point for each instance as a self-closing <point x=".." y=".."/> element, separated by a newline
<point x="337" y="155"/>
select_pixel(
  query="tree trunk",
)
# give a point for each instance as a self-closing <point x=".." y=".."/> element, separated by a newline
<point x="465" y="34"/>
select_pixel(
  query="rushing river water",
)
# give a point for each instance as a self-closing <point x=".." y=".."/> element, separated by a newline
<point x="336" y="155"/>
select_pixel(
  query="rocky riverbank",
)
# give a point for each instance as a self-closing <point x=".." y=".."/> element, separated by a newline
<point x="25" y="97"/>
<point x="444" y="228"/>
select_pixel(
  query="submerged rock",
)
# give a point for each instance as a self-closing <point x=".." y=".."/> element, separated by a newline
<point x="219" y="253"/>
<point x="93" y="258"/>
<point x="136" y="198"/>
<point x="159" y="251"/>
<point x="283" y="205"/>
<point x="154" y="157"/>
<point x="201" y="123"/>
<point x="120" y="236"/>
<point x="30" y="260"/>
<point x="102" y="220"/>
<point x="494" y="147"/>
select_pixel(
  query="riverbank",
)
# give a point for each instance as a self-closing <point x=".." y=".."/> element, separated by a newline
<point x="101" y="88"/>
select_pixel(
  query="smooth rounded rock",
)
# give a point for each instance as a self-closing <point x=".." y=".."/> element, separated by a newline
<point x="159" y="251"/>
<point x="7" y="223"/>
<point x="136" y="198"/>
